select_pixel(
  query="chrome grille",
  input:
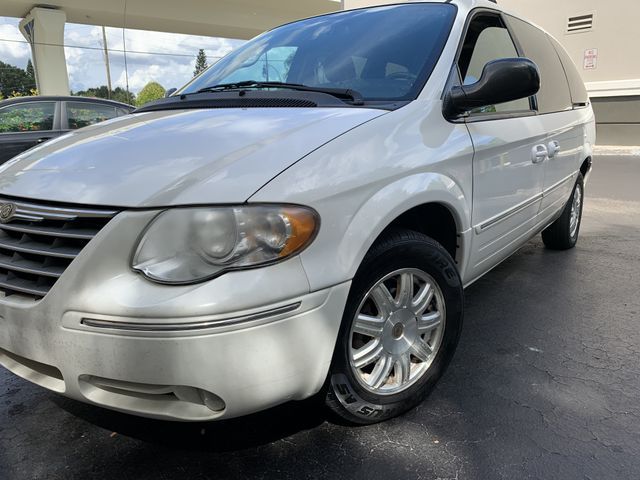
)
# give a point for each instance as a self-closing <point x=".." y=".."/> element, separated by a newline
<point x="38" y="242"/>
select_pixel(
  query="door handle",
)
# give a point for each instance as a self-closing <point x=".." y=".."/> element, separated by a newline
<point x="539" y="154"/>
<point x="553" y="148"/>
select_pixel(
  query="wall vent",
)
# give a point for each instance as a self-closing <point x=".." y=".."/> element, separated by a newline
<point x="580" y="23"/>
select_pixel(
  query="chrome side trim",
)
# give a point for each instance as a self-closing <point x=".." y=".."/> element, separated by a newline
<point x="521" y="206"/>
<point x="180" y="327"/>
<point x="509" y="213"/>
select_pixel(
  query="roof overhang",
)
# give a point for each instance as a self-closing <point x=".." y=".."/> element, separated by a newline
<point x="241" y="19"/>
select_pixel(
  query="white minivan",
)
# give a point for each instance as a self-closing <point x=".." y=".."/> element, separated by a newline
<point x="300" y="219"/>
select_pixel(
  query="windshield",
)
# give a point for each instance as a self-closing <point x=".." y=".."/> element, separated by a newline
<point x="385" y="53"/>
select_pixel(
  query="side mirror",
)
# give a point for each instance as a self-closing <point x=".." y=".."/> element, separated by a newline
<point x="170" y="92"/>
<point x="501" y="81"/>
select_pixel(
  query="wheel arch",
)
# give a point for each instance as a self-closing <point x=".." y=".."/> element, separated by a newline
<point x="433" y="219"/>
<point x="429" y="203"/>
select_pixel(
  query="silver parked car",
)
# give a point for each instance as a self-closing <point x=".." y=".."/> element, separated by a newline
<point x="300" y="219"/>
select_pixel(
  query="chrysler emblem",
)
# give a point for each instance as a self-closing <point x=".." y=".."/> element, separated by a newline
<point x="7" y="211"/>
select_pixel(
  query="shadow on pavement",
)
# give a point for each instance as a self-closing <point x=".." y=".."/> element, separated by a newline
<point x="222" y="436"/>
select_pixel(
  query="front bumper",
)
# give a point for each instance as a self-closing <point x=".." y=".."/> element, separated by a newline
<point x="243" y="342"/>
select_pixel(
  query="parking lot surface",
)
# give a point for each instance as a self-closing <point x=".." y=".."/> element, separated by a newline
<point x="545" y="384"/>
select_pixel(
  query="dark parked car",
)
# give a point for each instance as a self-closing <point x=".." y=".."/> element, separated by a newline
<point x="28" y="121"/>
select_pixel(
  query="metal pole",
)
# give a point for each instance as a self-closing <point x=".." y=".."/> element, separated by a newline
<point x="106" y="60"/>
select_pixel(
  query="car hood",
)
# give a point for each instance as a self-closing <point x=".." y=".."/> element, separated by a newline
<point x="174" y="157"/>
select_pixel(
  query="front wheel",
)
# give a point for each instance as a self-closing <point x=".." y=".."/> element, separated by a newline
<point x="563" y="233"/>
<point x="400" y="329"/>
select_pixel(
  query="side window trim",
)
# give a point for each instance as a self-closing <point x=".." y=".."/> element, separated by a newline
<point x="564" y="70"/>
<point x="64" y="120"/>
<point x="533" y="100"/>
<point x="495" y="116"/>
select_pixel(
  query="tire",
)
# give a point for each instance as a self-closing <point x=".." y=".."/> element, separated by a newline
<point x="404" y="257"/>
<point x="563" y="233"/>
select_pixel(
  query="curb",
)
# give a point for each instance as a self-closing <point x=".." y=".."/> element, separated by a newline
<point x="611" y="150"/>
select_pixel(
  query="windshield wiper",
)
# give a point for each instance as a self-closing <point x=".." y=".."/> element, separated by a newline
<point x="342" y="93"/>
<point x="231" y="86"/>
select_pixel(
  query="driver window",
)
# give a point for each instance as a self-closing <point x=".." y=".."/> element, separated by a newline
<point x="487" y="40"/>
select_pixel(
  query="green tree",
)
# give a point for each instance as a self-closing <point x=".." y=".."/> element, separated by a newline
<point x="118" y="94"/>
<point x="123" y="96"/>
<point x="14" y="79"/>
<point x="151" y="91"/>
<point x="31" y="74"/>
<point x="201" y="63"/>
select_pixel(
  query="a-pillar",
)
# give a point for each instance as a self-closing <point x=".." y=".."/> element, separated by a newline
<point x="44" y="29"/>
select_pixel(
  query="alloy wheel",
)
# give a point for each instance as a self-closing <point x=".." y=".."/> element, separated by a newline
<point x="397" y="331"/>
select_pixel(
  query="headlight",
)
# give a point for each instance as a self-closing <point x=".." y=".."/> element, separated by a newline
<point x="189" y="245"/>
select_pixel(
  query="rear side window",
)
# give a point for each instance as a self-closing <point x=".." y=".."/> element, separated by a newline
<point x="554" y="95"/>
<point x="27" y="117"/>
<point x="83" y="114"/>
<point x="579" y="95"/>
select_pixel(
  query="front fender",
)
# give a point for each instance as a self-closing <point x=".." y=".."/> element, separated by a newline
<point x="363" y="180"/>
<point x="346" y="235"/>
<point x="392" y="201"/>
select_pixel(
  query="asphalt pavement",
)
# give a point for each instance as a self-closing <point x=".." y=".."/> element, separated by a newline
<point x="545" y="385"/>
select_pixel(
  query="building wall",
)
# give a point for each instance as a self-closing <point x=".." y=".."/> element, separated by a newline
<point x="618" y="120"/>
